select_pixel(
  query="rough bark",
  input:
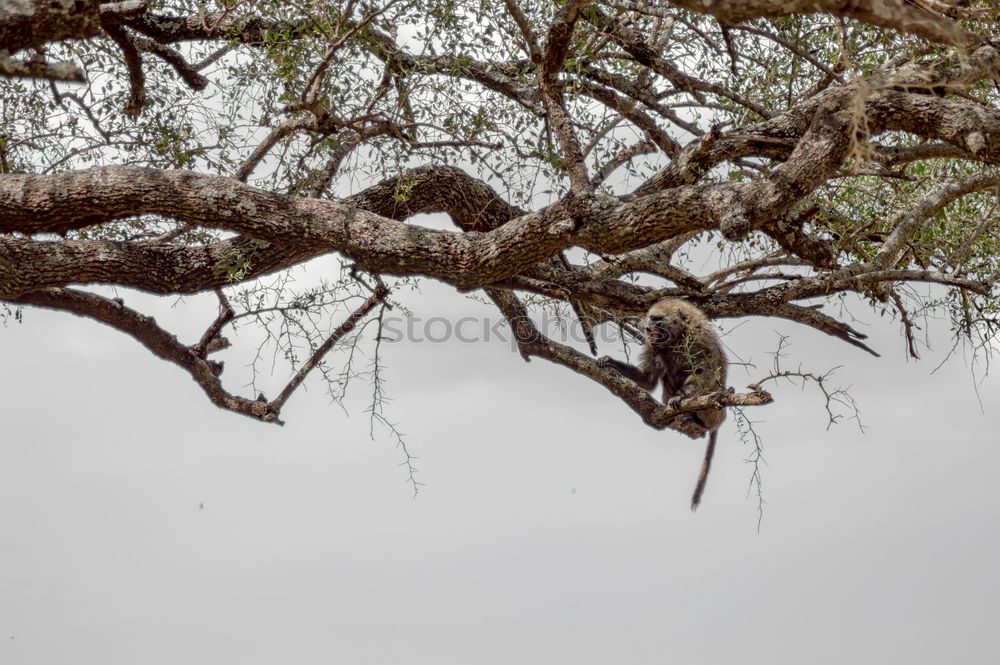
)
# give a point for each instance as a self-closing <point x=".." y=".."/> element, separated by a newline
<point x="32" y="23"/>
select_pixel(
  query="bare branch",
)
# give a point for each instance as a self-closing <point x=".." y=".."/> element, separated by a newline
<point x="137" y="78"/>
<point x="161" y="343"/>
<point x="530" y="40"/>
<point x="347" y="326"/>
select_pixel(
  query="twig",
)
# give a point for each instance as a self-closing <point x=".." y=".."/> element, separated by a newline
<point x="322" y="349"/>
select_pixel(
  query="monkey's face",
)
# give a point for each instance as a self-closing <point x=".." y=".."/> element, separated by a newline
<point x="659" y="332"/>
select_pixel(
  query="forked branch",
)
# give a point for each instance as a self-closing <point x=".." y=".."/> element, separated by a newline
<point x="206" y="373"/>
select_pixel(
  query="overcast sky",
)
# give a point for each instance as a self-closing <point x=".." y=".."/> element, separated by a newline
<point x="140" y="524"/>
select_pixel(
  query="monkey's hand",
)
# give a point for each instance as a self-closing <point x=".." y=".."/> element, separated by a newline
<point x="605" y="361"/>
<point x="675" y="402"/>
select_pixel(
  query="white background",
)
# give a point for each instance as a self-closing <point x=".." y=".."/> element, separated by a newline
<point x="139" y="524"/>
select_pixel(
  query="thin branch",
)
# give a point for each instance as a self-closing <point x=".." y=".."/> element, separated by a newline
<point x="185" y="70"/>
<point x="915" y="216"/>
<point x="211" y="341"/>
<point x="530" y="40"/>
<point x="347" y="326"/>
<point x="908" y="324"/>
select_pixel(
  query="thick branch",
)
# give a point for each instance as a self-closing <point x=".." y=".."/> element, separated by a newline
<point x="960" y="122"/>
<point x="787" y="231"/>
<point x="224" y="27"/>
<point x="63" y="202"/>
<point x="158" y="267"/>
<point x="56" y="71"/>
<point x="32" y="23"/>
<point x="472" y="204"/>
<point x="896" y="14"/>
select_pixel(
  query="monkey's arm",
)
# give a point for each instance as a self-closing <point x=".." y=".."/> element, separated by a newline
<point x="629" y="372"/>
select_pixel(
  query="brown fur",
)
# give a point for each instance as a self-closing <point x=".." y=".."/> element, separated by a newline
<point x="683" y="353"/>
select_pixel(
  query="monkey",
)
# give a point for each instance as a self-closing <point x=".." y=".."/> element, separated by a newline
<point x="683" y="352"/>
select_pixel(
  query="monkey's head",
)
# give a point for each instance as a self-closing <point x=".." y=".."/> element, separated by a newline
<point x="666" y="323"/>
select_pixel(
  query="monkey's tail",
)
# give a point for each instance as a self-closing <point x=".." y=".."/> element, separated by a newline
<point x="705" y="466"/>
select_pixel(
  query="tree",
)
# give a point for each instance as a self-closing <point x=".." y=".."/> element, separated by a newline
<point x="591" y="155"/>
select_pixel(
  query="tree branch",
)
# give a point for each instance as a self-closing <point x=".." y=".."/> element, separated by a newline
<point x="161" y="343"/>
<point x="896" y="14"/>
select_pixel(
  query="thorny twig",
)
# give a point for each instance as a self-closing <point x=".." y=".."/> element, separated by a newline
<point x="376" y="409"/>
<point x="747" y="434"/>
<point x="840" y="395"/>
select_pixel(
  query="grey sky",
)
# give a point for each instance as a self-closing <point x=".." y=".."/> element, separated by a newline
<point x="553" y="527"/>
